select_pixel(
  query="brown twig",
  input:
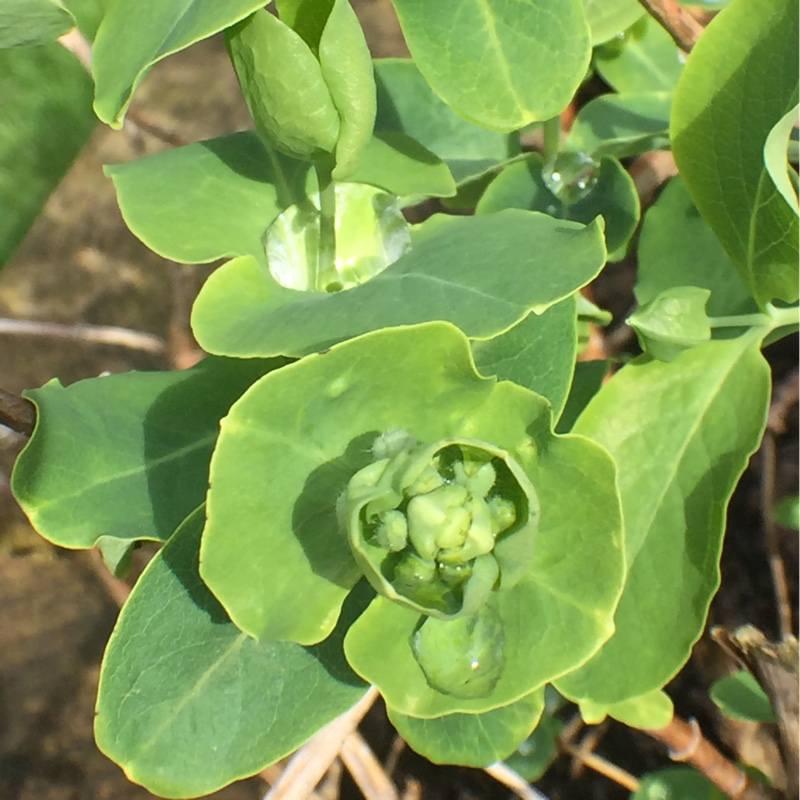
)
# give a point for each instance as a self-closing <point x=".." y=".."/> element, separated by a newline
<point x="582" y="753"/>
<point x="17" y="413"/>
<point x="511" y="780"/>
<point x="366" y="770"/>
<point x="684" y="29"/>
<point x="686" y="743"/>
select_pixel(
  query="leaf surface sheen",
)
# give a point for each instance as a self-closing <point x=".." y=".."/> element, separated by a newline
<point x="681" y="434"/>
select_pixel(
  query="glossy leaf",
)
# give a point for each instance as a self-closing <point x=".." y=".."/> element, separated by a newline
<point x="739" y="696"/>
<point x="347" y="70"/>
<point x="607" y="18"/>
<point x="483" y="274"/>
<point x="283" y="86"/>
<point x="188" y="703"/>
<point x="644" y="59"/>
<point x="740" y="79"/>
<point x="677" y="783"/>
<point x="775" y="148"/>
<point x="500" y="65"/>
<point x="47" y="118"/>
<point x="622" y="125"/>
<point x="28" y="23"/>
<point x="651" y="710"/>
<point x="407" y="104"/>
<point x="125" y="49"/>
<point x="681" y="435"/>
<point x="125" y="455"/>
<point x="471" y="740"/>
<point x="352" y="393"/>
<point x="613" y="197"/>
<point x="537" y="353"/>
<point x="677" y="248"/>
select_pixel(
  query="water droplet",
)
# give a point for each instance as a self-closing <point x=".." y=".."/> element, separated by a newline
<point x="570" y="176"/>
<point x="463" y="657"/>
<point x="371" y="233"/>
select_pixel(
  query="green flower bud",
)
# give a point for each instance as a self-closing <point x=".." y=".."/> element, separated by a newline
<point x="433" y="526"/>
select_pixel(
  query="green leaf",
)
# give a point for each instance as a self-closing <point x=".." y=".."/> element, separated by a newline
<point x="740" y="79"/>
<point x="739" y="696"/>
<point x="125" y="455"/>
<point x="117" y="554"/>
<point x="537" y="353"/>
<point x="677" y="248"/>
<point x="613" y="196"/>
<point x="471" y="740"/>
<point x="389" y="379"/>
<point x="607" y="18"/>
<point x="394" y="161"/>
<point x="483" y="274"/>
<point x="787" y="513"/>
<point x="407" y="104"/>
<point x="88" y="15"/>
<point x="187" y="703"/>
<point x="499" y="65"/>
<point x="673" y="322"/>
<point x="283" y="86"/>
<point x="27" y="23"/>
<point x="645" y="59"/>
<point x="677" y="783"/>
<point x="47" y="118"/>
<point x="681" y="434"/>
<point x="622" y="125"/>
<point x="775" y="148"/>
<point x="125" y="49"/>
<point x="651" y="710"/>
<point x="347" y="69"/>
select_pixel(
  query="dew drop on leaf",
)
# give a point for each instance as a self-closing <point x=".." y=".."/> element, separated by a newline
<point x="570" y="176"/>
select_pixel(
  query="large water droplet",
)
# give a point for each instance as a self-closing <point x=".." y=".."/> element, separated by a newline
<point x="570" y="176"/>
<point x="371" y="233"/>
<point x="463" y="657"/>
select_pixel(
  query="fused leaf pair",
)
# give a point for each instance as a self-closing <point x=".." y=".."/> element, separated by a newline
<point x="307" y="79"/>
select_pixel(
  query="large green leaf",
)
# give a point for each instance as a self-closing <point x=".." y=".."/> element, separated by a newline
<point x="607" y="18"/>
<point x="677" y="248"/>
<point x="188" y="703"/>
<point x="471" y="740"/>
<point x="215" y="199"/>
<point x="47" y="117"/>
<point x="136" y="34"/>
<point x="500" y="65"/>
<point x="740" y="79"/>
<point x="613" y="196"/>
<point x="407" y="104"/>
<point x="681" y="434"/>
<point x="537" y="353"/>
<point x="483" y="274"/>
<point x="644" y="60"/>
<point x="125" y="455"/>
<point x="622" y="125"/>
<point x="290" y="445"/>
<point x="27" y="23"/>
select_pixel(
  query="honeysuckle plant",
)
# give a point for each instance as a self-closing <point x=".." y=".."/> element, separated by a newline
<point x="388" y="470"/>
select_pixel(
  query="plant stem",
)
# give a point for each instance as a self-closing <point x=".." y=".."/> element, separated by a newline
<point x="326" y="257"/>
<point x="772" y="318"/>
<point x="684" y="29"/>
<point x="552" y="137"/>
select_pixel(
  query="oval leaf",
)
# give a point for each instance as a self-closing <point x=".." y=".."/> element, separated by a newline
<point x="188" y="703"/>
<point x="471" y="740"/>
<point x="739" y="696"/>
<point x="500" y="65"/>
<point x="681" y="434"/>
<point x="483" y="274"/>
<point x="740" y="79"/>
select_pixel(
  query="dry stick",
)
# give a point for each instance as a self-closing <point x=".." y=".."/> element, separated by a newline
<point x="366" y="770"/>
<point x="601" y="766"/>
<point x="17" y="413"/>
<point x="512" y="780"/>
<point x="96" y="334"/>
<point x="307" y="766"/>
<point x="684" y="29"/>
<point x="686" y="743"/>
